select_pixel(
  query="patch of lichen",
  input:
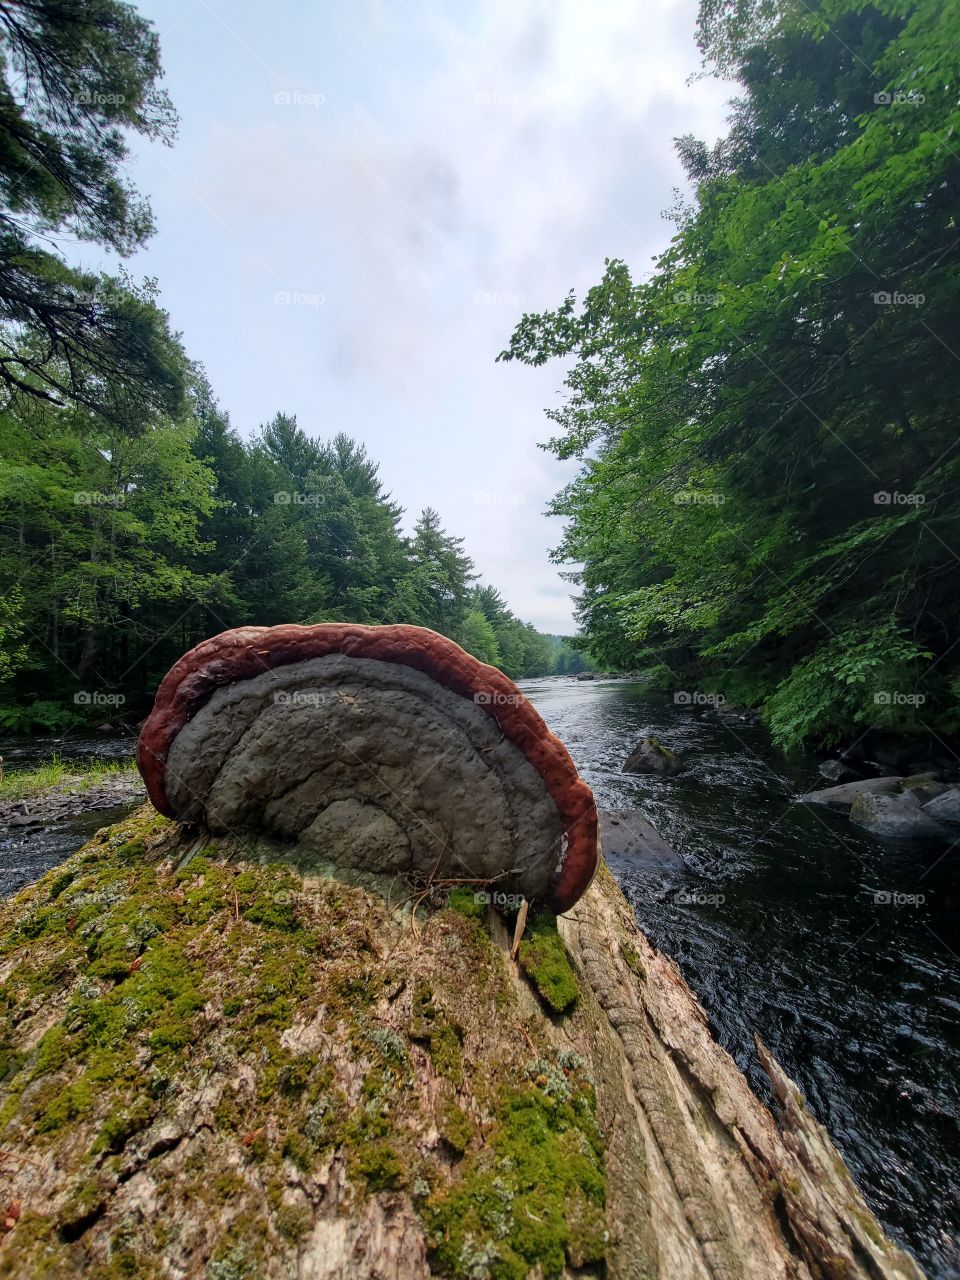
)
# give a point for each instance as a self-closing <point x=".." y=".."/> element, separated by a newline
<point x="533" y="1194"/>
<point x="543" y="958"/>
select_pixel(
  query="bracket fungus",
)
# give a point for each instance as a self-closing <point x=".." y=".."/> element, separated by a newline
<point x="382" y="749"/>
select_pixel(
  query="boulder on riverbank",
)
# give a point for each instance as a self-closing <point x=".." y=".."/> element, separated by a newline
<point x="651" y="756"/>
<point x="215" y="1066"/>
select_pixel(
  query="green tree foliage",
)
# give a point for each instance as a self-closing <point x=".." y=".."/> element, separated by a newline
<point x="768" y="423"/>
<point x="120" y="547"/>
<point x="76" y="77"/>
<point x="479" y="638"/>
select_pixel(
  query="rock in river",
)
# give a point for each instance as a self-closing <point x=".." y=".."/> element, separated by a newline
<point x="651" y="756"/>
<point x="842" y="797"/>
<point x="946" y="807"/>
<point x="898" y="816"/>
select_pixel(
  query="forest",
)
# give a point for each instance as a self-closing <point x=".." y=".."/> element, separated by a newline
<point x="134" y="519"/>
<point x="767" y="503"/>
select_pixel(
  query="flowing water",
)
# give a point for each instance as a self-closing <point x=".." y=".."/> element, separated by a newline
<point x="787" y="922"/>
<point x="776" y="924"/>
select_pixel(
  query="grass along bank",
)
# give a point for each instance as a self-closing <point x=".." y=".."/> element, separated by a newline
<point x="57" y="774"/>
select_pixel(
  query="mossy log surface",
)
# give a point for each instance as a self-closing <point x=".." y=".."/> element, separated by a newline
<point x="214" y="1065"/>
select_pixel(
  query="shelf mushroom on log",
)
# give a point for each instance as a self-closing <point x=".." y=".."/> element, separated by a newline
<point x="385" y="749"/>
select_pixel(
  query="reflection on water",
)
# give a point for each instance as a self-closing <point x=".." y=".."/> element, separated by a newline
<point x="781" y="933"/>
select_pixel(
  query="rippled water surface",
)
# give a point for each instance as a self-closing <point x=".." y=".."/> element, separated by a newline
<point x="781" y="934"/>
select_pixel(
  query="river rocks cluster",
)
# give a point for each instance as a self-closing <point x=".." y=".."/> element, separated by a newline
<point x="379" y="749"/>
<point x="921" y="806"/>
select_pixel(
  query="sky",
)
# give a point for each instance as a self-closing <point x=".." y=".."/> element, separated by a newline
<point x="366" y="195"/>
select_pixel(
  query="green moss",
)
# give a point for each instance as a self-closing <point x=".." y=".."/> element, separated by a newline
<point x="532" y="1195"/>
<point x="633" y="960"/>
<point x="465" y="902"/>
<point x="543" y="958"/>
<point x="379" y="1165"/>
<point x="455" y="1128"/>
<point x="60" y="883"/>
<point x="431" y="1026"/>
<point x="122" y="1124"/>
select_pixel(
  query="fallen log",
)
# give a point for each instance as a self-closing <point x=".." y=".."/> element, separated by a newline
<point x="224" y="1054"/>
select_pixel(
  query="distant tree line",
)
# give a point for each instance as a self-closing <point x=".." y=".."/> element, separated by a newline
<point x="134" y="520"/>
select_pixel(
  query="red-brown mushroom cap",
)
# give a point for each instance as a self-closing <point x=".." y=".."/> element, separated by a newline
<point x="246" y="653"/>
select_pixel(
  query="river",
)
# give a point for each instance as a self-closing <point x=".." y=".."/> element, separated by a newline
<point x="776" y="926"/>
<point x="778" y="930"/>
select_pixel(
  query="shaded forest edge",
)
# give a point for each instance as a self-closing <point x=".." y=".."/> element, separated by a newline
<point x="767" y="508"/>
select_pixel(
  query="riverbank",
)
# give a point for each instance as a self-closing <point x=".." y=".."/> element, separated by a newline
<point x="57" y="790"/>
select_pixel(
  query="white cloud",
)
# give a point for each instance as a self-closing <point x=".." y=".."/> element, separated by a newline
<point x="461" y="167"/>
